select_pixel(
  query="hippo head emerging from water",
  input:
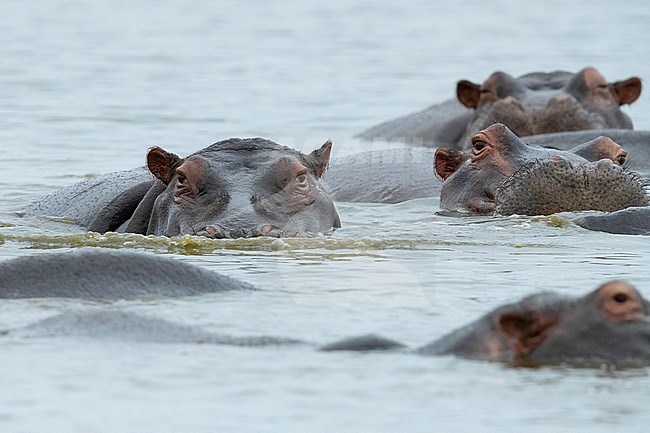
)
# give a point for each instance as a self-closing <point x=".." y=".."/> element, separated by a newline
<point x="504" y="174"/>
<point x="540" y="103"/>
<point x="610" y="325"/>
<point x="239" y="188"/>
<point x="233" y="188"/>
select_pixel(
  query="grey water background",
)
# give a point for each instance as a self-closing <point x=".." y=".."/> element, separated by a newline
<point x="87" y="87"/>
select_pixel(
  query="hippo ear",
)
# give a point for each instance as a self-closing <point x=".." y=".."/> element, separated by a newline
<point x="468" y="93"/>
<point x="162" y="163"/>
<point x="447" y="161"/>
<point x="528" y="329"/>
<point x="627" y="91"/>
<point x="583" y="80"/>
<point x="320" y="158"/>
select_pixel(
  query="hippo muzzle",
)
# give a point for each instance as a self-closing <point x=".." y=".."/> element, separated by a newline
<point x="544" y="187"/>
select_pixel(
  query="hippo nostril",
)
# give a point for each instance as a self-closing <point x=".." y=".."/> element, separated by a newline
<point x="621" y="159"/>
<point x="560" y="97"/>
<point x="213" y="232"/>
<point x="263" y="230"/>
<point x="620" y="297"/>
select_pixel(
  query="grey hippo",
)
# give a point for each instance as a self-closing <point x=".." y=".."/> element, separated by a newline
<point x="633" y="220"/>
<point x="534" y="103"/>
<point x="505" y="175"/>
<point x="233" y="188"/>
<point x="397" y="175"/>
<point x="107" y="275"/>
<point x="125" y="326"/>
<point x="610" y="325"/>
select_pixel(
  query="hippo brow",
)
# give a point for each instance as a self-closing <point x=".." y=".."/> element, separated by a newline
<point x="245" y="145"/>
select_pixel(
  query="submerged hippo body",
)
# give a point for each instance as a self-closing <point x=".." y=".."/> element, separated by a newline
<point x="505" y="175"/>
<point x="610" y="325"/>
<point x="383" y="176"/>
<point x="630" y="221"/>
<point x="125" y="326"/>
<point x="535" y="103"/>
<point x="234" y="188"/>
<point x="98" y="274"/>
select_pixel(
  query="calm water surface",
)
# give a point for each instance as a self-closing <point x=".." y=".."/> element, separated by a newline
<point x="87" y="87"/>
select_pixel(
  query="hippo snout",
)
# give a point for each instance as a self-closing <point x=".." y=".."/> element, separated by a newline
<point x="217" y="232"/>
<point x="544" y="187"/>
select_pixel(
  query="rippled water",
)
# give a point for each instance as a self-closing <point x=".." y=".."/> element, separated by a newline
<point x="88" y="86"/>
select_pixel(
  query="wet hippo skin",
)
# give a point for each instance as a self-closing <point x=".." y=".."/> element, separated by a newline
<point x="535" y="103"/>
<point x="505" y="175"/>
<point x="630" y="221"/>
<point x="131" y="327"/>
<point x="636" y="143"/>
<point x="100" y="274"/>
<point x="607" y="326"/>
<point x="233" y="188"/>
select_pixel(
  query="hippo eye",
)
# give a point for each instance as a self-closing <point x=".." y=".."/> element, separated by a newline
<point x="479" y="145"/>
<point x="300" y="185"/>
<point x="621" y="159"/>
<point x="620" y="297"/>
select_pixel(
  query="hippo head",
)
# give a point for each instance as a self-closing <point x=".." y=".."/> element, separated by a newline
<point x="241" y="188"/>
<point x="609" y="325"/>
<point x="472" y="180"/>
<point x="540" y="103"/>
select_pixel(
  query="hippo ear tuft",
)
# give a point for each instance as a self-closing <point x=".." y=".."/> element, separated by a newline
<point x="468" y="93"/>
<point x="627" y="91"/>
<point x="321" y="158"/>
<point x="162" y="163"/>
<point x="447" y="161"/>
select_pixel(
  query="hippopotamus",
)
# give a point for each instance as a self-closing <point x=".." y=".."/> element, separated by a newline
<point x="401" y="174"/>
<point x="505" y="175"/>
<point x="636" y="143"/>
<point x="630" y="221"/>
<point x="610" y="325"/>
<point x="233" y="188"/>
<point x="383" y="176"/>
<point x="132" y="327"/>
<point x="107" y="275"/>
<point x="534" y="103"/>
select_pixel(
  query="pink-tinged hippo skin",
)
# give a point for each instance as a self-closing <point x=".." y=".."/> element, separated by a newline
<point x="636" y="143"/>
<point x="233" y="188"/>
<point x="532" y="104"/>
<point x="505" y="175"/>
<point x="608" y="326"/>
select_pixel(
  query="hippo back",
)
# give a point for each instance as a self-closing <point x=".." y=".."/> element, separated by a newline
<point x="99" y="274"/>
<point x="383" y="176"/>
<point x="84" y="201"/>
